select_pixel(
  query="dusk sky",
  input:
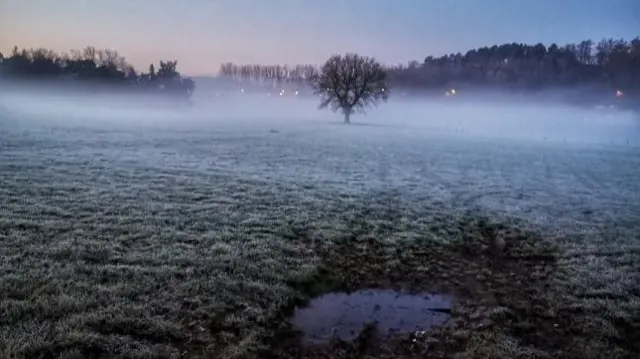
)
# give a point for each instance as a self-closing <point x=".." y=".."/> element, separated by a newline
<point x="202" y="34"/>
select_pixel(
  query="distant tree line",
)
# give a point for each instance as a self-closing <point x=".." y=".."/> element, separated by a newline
<point x="270" y="74"/>
<point x="607" y="64"/>
<point x="91" y="66"/>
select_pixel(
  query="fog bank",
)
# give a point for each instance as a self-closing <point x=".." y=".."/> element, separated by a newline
<point x="491" y="116"/>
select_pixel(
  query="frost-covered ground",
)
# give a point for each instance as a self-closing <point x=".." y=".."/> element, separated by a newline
<point x="135" y="233"/>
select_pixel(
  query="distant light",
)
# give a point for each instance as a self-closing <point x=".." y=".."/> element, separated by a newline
<point x="242" y="90"/>
<point x="296" y="93"/>
<point x="619" y="93"/>
<point x="453" y="91"/>
<point x="382" y="90"/>
<point x="281" y="93"/>
<point x="269" y="94"/>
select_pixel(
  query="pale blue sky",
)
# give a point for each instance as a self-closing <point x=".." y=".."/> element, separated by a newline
<point x="201" y="34"/>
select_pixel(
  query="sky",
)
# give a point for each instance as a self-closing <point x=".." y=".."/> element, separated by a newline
<point x="202" y="34"/>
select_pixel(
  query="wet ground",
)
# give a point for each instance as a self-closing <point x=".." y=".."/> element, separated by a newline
<point x="492" y="300"/>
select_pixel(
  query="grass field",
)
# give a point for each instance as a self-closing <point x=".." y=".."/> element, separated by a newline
<point x="197" y="241"/>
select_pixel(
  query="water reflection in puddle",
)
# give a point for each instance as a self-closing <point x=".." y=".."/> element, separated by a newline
<point x="345" y="315"/>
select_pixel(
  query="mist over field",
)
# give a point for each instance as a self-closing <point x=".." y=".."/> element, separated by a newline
<point x="461" y="144"/>
<point x="143" y="225"/>
<point x="472" y="115"/>
<point x="310" y="180"/>
<point x="526" y="149"/>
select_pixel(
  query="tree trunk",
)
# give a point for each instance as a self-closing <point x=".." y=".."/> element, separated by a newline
<point x="347" y="114"/>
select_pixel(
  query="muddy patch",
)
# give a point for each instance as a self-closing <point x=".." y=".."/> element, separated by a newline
<point x="498" y="299"/>
<point x="345" y="315"/>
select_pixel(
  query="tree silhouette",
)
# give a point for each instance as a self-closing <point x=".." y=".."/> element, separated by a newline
<point x="96" y="67"/>
<point x="351" y="83"/>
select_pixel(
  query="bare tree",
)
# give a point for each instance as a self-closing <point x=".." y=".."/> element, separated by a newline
<point x="604" y="48"/>
<point x="168" y="70"/>
<point x="351" y="83"/>
<point x="585" y="49"/>
<point x="76" y="55"/>
<point x="89" y="53"/>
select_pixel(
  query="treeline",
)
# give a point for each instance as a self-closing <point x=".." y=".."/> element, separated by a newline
<point x="103" y="69"/>
<point x="270" y="74"/>
<point x="608" y="64"/>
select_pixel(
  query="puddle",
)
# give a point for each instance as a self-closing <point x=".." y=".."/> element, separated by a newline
<point x="345" y="315"/>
